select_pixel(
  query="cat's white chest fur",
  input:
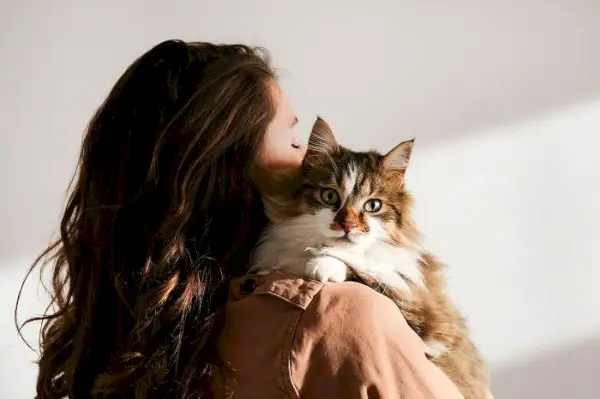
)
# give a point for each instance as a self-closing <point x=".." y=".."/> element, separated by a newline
<point x="388" y="264"/>
<point x="300" y="247"/>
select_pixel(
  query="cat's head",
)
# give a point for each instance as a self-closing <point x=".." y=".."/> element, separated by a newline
<point x="354" y="198"/>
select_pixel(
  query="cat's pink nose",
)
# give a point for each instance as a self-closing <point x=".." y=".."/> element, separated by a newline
<point x="347" y="226"/>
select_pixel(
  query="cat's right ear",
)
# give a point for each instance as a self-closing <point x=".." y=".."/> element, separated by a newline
<point x="396" y="161"/>
<point x="321" y="143"/>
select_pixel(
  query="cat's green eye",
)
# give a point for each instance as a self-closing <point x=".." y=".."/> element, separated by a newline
<point x="330" y="196"/>
<point x="372" y="205"/>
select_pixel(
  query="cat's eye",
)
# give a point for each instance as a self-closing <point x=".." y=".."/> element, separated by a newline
<point x="373" y="205"/>
<point x="330" y="196"/>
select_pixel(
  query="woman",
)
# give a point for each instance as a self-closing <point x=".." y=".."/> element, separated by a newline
<point x="149" y="288"/>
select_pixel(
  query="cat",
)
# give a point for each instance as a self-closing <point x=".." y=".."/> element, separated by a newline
<point x="349" y="219"/>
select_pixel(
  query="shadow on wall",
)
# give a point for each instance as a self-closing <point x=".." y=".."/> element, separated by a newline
<point x="566" y="373"/>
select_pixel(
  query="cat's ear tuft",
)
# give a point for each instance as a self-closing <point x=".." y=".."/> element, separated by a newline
<point x="397" y="159"/>
<point x="322" y="141"/>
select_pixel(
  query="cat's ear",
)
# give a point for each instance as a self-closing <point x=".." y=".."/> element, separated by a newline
<point x="397" y="159"/>
<point x="321" y="143"/>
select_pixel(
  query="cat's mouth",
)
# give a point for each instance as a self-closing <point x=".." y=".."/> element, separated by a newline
<point x="354" y="239"/>
<point x="345" y="239"/>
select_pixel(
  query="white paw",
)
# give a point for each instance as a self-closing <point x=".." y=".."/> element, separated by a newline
<point x="326" y="268"/>
<point x="435" y="349"/>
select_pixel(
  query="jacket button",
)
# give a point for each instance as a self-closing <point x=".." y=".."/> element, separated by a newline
<point x="248" y="286"/>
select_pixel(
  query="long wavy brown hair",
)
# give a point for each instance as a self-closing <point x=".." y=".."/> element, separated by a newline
<point x="162" y="212"/>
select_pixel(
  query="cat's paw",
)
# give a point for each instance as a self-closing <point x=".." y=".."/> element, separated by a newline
<point x="326" y="268"/>
<point x="435" y="349"/>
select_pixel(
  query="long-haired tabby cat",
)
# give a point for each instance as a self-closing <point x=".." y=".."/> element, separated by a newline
<point x="350" y="220"/>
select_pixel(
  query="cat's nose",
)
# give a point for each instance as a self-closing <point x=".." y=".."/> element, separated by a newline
<point x="347" y="226"/>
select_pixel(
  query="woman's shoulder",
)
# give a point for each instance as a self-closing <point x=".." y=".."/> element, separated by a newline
<point x="323" y="300"/>
<point x="353" y="306"/>
<point x="340" y="312"/>
<point x="333" y="340"/>
<point x="347" y="319"/>
<point x="356" y="298"/>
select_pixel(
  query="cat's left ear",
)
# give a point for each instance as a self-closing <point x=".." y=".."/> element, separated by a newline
<point x="321" y="143"/>
<point x="397" y="159"/>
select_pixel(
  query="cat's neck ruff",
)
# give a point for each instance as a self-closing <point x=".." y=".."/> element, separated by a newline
<point x="290" y="244"/>
<point x="382" y="257"/>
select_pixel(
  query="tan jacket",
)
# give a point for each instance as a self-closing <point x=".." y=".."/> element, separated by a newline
<point x="288" y="337"/>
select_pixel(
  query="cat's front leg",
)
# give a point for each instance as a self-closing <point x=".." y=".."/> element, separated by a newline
<point x="327" y="268"/>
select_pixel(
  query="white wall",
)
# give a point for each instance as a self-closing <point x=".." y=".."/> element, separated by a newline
<point x="503" y="97"/>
